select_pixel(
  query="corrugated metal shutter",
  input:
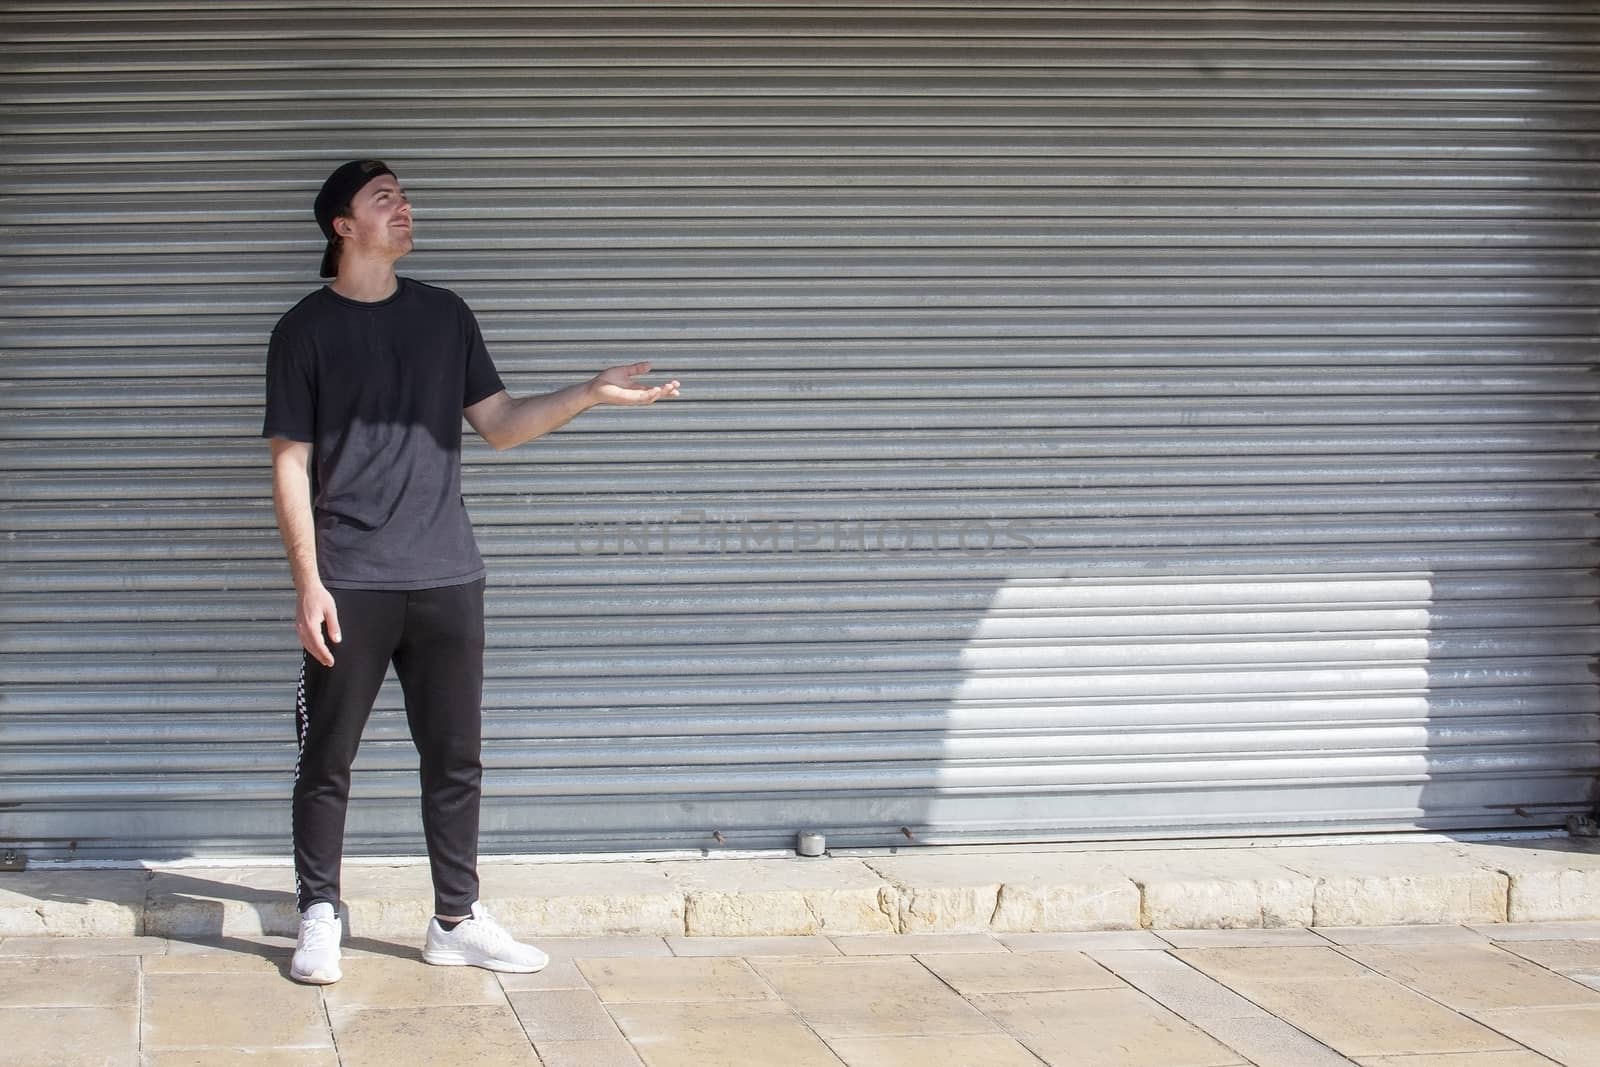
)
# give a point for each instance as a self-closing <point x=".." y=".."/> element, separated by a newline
<point x="1099" y="418"/>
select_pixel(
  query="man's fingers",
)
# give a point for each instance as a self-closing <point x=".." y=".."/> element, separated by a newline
<point x="331" y="615"/>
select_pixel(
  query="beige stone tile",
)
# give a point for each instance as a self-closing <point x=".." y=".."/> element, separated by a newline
<point x="876" y="997"/>
<point x="1460" y="1059"/>
<point x="560" y="974"/>
<point x="222" y="902"/>
<point x="1241" y="938"/>
<point x="1469" y="977"/>
<point x="1277" y="964"/>
<point x="196" y="957"/>
<point x="251" y="1057"/>
<point x="1140" y="961"/>
<point x="1224" y="888"/>
<point x="1367" y="1016"/>
<point x="1575" y="959"/>
<point x="752" y="946"/>
<point x="246" y="1010"/>
<point x="630" y="980"/>
<point x="69" y="1037"/>
<point x="1568" y="1035"/>
<point x="1012" y="892"/>
<point x="480" y="1035"/>
<point x="44" y="982"/>
<point x="1008" y="972"/>
<point x="782" y="896"/>
<point x="726" y="1034"/>
<point x="615" y="1053"/>
<point x="947" y="1051"/>
<point x="1396" y="884"/>
<point x="563" y="1015"/>
<point x="1540" y="931"/>
<point x="908" y="944"/>
<point x="581" y="948"/>
<point x="1103" y="1026"/>
<point x="392" y="983"/>
<point x="580" y="899"/>
<point x="1193" y="996"/>
<point x="88" y="947"/>
<point x="1402" y="935"/>
<point x="55" y="903"/>
<point x="1272" y="1042"/>
<point x="1082" y="941"/>
<point x="1555" y="880"/>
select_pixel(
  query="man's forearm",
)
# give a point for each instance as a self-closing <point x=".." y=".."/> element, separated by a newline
<point x="291" y="501"/>
<point x="525" y="418"/>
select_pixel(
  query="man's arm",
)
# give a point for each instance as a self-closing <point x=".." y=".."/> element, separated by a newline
<point x="291" y="499"/>
<point x="506" y="421"/>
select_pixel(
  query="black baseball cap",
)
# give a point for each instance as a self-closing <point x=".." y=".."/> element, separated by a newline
<point x="334" y="200"/>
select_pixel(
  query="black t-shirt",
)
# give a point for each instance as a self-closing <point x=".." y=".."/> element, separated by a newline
<point x="377" y="390"/>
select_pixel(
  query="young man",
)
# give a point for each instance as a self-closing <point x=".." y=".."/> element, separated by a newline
<point x="367" y="382"/>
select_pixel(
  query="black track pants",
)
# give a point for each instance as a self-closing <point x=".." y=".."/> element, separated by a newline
<point x="434" y="637"/>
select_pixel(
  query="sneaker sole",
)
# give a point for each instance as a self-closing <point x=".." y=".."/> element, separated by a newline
<point x="455" y="959"/>
<point x="316" y="977"/>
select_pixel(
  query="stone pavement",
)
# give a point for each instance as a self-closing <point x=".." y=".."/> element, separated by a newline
<point x="1492" y="995"/>
<point x="1422" y="952"/>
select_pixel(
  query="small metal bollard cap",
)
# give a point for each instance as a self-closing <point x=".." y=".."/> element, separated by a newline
<point x="811" y="843"/>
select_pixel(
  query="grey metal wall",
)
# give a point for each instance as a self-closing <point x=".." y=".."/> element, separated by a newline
<point x="1099" y="418"/>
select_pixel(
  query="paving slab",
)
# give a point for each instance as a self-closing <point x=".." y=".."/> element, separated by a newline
<point x="563" y="1015"/>
<point x="1568" y="1035"/>
<point x="1523" y="1058"/>
<point x="944" y="1051"/>
<point x="1104" y="1026"/>
<point x="1269" y="1042"/>
<point x="783" y="896"/>
<point x="613" y="1053"/>
<point x="68" y="982"/>
<point x="242" y="1010"/>
<point x="1398" y="884"/>
<point x="674" y="978"/>
<point x="481" y="1035"/>
<point x="1233" y="938"/>
<point x="1218" y="888"/>
<point x="72" y="1037"/>
<point x="1472" y="977"/>
<point x="1082" y="942"/>
<point x="1401" y="935"/>
<point x="1553" y="880"/>
<point x="68" y="903"/>
<point x="814" y="945"/>
<point x="1559" y="930"/>
<point x="1009" y="972"/>
<point x="721" y="1034"/>
<point x="901" y="944"/>
<point x="83" y="946"/>
<point x="870" y="997"/>
<point x="1578" y="960"/>
<point x="375" y="982"/>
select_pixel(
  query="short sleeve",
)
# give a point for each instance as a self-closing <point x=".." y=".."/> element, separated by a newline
<point x="291" y="390"/>
<point x="482" y="380"/>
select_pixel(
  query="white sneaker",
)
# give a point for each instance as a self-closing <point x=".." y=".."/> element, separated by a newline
<point x="316" y="952"/>
<point x="481" y="942"/>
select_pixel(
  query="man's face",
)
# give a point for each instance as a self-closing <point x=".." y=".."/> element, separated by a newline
<point x="379" y="223"/>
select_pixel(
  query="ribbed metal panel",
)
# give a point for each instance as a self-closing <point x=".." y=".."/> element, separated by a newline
<point x="1099" y="419"/>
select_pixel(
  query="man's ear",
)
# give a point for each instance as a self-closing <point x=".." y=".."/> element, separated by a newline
<point x="342" y="226"/>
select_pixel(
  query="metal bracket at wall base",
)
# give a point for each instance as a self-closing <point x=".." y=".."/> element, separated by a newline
<point x="1583" y="826"/>
<point x="13" y="859"/>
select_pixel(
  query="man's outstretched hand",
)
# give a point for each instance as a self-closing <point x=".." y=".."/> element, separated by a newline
<point x="616" y="385"/>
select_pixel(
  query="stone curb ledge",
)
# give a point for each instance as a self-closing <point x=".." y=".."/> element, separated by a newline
<point x="931" y="890"/>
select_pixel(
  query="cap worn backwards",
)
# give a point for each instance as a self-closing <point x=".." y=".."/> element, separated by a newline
<point x="334" y="200"/>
